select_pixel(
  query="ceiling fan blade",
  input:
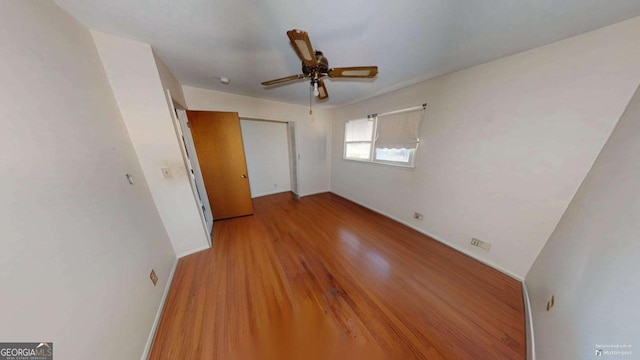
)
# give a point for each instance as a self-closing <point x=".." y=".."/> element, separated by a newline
<point x="302" y="45"/>
<point x="282" y="80"/>
<point x="322" y="90"/>
<point x="354" y="72"/>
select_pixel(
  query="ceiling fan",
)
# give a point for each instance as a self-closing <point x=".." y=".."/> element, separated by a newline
<point x="315" y="66"/>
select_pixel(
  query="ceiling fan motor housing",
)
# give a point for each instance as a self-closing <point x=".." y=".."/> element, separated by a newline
<point x="321" y="69"/>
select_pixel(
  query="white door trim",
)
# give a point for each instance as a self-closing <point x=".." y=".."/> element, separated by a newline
<point x="187" y="148"/>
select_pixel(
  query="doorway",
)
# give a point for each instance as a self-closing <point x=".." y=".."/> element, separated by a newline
<point x="185" y="133"/>
<point x="267" y="149"/>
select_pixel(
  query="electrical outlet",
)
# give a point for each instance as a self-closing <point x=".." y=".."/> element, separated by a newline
<point x="153" y="277"/>
<point x="418" y="216"/>
<point x="481" y="244"/>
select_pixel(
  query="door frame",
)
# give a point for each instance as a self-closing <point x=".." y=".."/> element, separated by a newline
<point x="181" y="126"/>
<point x="192" y="166"/>
<point x="292" y="137"/>
<point x="294" y="156"/>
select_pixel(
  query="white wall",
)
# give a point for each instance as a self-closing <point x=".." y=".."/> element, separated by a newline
<point x="78" y="242"/>
<point x="591" y="263"/>
<point x="169" y="82"/>
<point x="505" y="145"/>
<point x="134" y="77"/>
<point x="266" y="148"/>
<point x="313" y="134"/>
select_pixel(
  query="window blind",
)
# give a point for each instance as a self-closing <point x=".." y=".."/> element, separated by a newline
<point x="399" y="131"/>
<point x="359" y="130"/>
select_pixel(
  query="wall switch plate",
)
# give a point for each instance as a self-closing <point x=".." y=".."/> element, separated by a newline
<point x="418" y="216"/>
<point x="153" y="277"/>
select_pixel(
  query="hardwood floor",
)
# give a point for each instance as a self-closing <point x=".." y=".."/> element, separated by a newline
<point x="324" y="278"/>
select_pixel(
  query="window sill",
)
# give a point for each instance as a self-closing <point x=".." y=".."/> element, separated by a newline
<point x="410" y="167"/>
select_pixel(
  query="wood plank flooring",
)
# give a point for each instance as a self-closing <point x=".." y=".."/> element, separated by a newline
<point x="324" y="278"/>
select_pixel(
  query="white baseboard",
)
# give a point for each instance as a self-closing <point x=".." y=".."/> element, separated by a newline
<point x="449" y="244"/>
<point x="156" y="322"/>
<point x="187" y="253"/>
<point x="318" y="192"/>
<point x="531" y="349"/>
<point x="270" y="193"/>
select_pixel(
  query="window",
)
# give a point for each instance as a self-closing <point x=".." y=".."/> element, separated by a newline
<point x="358" y="137"/>
<point x="386" y="139"/>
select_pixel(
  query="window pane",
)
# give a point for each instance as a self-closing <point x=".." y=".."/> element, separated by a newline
<point x="395" y="155"/>
<point x="357" y="151"/>
<point x="358" y="130"/>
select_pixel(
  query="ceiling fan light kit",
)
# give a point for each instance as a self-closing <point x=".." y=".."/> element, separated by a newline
<point x="315" y="66"/>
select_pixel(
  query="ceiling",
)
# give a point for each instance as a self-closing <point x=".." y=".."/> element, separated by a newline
<point x="409" y="40"/>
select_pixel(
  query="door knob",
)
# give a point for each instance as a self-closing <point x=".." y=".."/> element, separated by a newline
<point x="243" y="176"/>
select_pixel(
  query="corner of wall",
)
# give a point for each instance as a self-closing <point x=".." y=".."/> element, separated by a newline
<point x="169" y="81"/>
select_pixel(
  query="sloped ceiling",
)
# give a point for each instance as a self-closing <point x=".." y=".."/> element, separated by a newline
<point x="410" y="40"/>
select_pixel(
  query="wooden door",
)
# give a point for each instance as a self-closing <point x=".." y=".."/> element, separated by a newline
<point x="218" y="141"/>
